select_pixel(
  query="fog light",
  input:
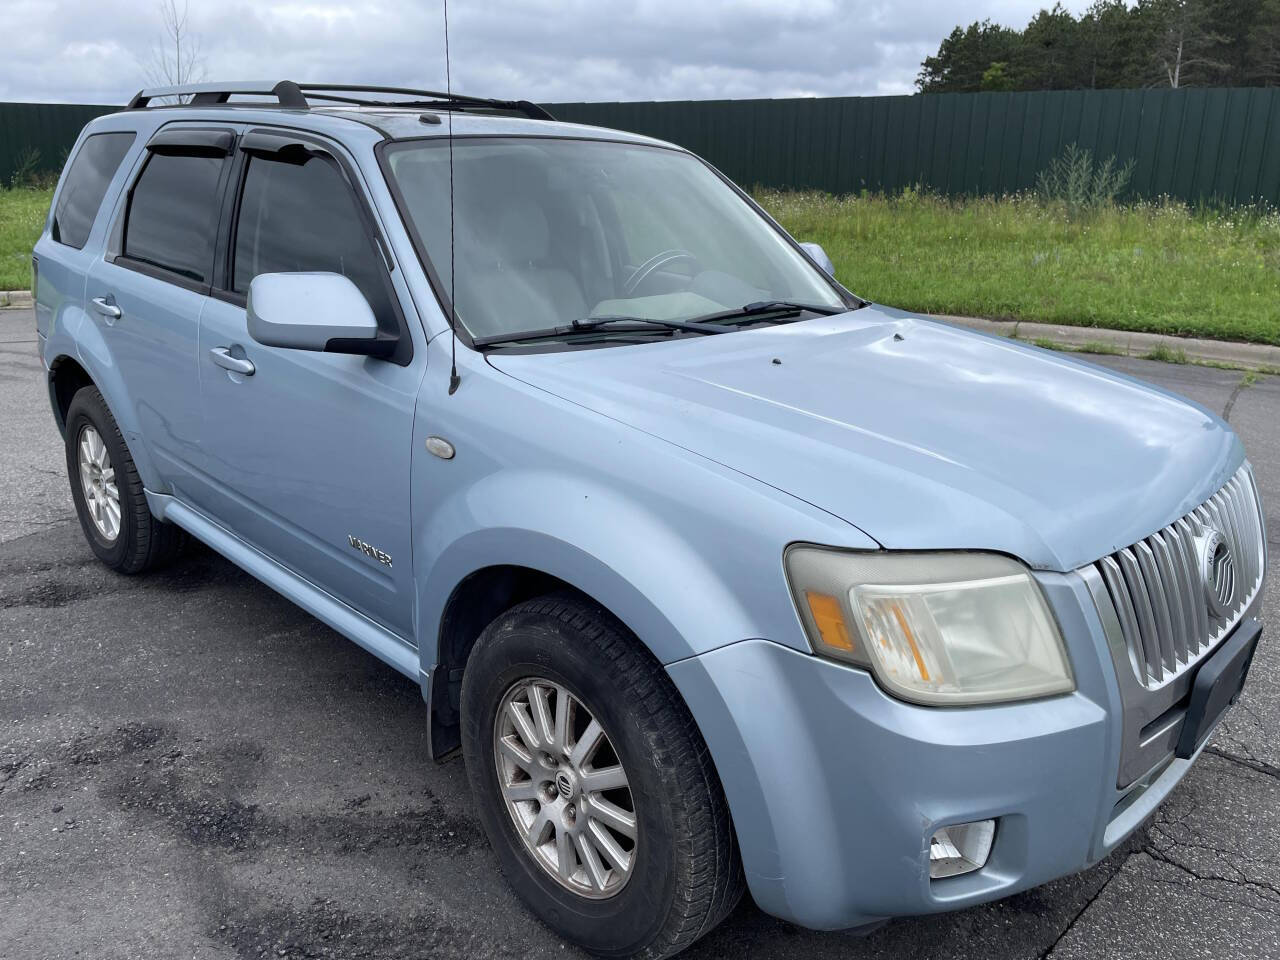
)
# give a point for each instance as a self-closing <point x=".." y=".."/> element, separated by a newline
<point x="960" y="848"/>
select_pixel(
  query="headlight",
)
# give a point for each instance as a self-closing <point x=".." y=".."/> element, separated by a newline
<point x="941" y="628"/>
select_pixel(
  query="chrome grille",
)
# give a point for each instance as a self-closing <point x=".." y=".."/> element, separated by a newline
<point x="1157" y="588"/>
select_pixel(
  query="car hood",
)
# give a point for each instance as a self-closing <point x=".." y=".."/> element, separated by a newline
<point x="921" y="434"/>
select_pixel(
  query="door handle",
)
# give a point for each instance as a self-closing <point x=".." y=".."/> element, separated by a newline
<point x="107" y="307"/>
<point x="223" y="358"/>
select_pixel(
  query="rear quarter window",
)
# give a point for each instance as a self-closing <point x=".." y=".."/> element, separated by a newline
<point x="86" y="184"/>
<point x="173" y="214"/>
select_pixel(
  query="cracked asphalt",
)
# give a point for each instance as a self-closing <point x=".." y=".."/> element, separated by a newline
<point x="190" y="766"/>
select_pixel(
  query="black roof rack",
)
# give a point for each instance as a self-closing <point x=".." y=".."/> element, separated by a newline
<point x="298" y="96"/>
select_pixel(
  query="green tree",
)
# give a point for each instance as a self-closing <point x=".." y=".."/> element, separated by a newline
<point x="1109" y="43"/>
<point x="965" y="56"/>
<point x="1263" y="60"/>
<point x="1051" y="54"/>
<point x="1231" y="24"/>
<point x="1114" y="43"/>
<point x="996" y="77"/>
<point x="1180" y="43"/>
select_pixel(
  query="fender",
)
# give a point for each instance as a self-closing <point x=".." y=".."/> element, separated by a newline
<point x="660" y="573"/>
<point x="560" y="559"/>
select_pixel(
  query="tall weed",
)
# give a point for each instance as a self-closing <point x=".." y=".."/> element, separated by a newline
<point x="1080" y="183"/>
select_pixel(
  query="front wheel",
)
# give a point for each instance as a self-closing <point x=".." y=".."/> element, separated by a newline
<point x="593" y="783"/>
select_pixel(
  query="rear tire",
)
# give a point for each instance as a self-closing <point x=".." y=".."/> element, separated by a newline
<point x="683" y="872"/>
<point x="108" y="493"/>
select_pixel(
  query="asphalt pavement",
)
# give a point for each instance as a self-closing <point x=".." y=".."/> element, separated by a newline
<point x="190" y="766"/>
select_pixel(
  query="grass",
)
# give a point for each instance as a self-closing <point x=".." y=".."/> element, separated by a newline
<point x="1163" y="354"/>
<point x="22" y="213"/>
<point x="1166" y="354"/>
<point x="1097" y="346"/>
<point x="1089" y="346"/>
<point x="1157" y="267"/>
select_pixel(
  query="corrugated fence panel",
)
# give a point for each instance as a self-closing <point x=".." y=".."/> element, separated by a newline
<point x="1253" y="146"/>
<point x="1194" y="144"/>
<point x="1268" y="167"/>
<point x="50" y="128"/>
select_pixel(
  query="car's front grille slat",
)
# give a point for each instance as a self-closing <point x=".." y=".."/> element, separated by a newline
<point x="1114" y="577"/>
<point x="1184" y="573"/>
<point x="1199" y="612"/>
<point x="1248" y="569"/>
<point x="1146" y="647"/>
<point x="1156" y="588"/>
<point x="1159" y="604"/>
<point x="1173" y="599"/>
<point x="1227" y="524"/>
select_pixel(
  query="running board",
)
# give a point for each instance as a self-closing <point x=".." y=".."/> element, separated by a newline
<point x="381" y="642"/>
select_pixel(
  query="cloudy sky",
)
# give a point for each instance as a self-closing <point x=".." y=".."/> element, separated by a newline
<point x="98" y="51"/>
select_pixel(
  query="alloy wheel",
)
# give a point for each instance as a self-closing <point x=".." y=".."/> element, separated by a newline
<point x="565" y="788"/>
<point x="98" y="483"/>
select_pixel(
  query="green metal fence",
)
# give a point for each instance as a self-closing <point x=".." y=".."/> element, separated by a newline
<point x="50" y="129"/>
<point x="1194" y="144"/>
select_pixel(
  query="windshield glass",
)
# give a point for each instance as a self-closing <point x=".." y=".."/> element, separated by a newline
<point x="551" y="231"/>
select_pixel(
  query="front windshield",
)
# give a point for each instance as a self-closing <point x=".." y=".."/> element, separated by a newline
<point x="551" y="231"/>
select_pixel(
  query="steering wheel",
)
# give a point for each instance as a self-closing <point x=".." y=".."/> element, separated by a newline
<point x="657" y="261"/>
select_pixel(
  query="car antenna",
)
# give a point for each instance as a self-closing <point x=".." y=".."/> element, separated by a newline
<point x="454" y="379"/>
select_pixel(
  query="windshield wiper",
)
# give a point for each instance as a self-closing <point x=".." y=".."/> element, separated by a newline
<point x="761" y="307"/>
<point x="593" y="325"/>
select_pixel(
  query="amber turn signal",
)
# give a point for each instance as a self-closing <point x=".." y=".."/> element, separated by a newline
<point x="829" y="619"/>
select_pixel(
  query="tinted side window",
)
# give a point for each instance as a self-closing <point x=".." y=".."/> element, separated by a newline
<point x="303" y="217"/>
<point x="86" y="184"/>
<point x="173" y="214"/>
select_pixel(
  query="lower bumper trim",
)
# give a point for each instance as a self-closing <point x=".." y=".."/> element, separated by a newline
<point x="1217" y="685"/>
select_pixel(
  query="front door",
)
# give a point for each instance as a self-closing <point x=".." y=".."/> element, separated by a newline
<point x="308" y="457"/>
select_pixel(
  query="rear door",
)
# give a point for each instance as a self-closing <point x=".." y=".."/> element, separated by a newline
<point x="309" y="456"/>
<point x="147" y="290"/>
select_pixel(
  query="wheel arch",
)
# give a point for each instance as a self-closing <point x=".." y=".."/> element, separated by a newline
<point x="69" y="373"/>
<point x="531" y="565"/>
<point x="66" y="378"/>
<point x="489" y="571"/>
<point x="475" y="602"/>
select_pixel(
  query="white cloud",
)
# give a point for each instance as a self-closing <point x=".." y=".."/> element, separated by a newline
<point x="543" y="50"/>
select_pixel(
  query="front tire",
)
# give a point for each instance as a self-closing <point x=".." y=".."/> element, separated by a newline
<point x="593" y="783"/>
<point x="108" y="493"/>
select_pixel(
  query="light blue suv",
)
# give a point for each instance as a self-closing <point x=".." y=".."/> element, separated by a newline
<point x="719" y="576"/>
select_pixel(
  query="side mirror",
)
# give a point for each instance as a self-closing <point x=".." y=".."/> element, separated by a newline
<point x="819" y="256"/>
<point x="313" y="311"/>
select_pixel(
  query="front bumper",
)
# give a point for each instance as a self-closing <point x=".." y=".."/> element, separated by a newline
<point x="836" y="788"/>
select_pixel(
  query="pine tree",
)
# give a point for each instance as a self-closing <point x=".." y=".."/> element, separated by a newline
<point x="1180" y="42"/>
<point x="965" y="56"/>
<point x="1051" y="55"/>
<point x="1262" y="64"/>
